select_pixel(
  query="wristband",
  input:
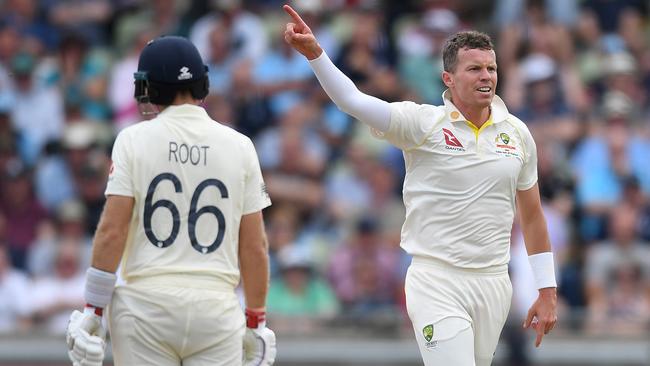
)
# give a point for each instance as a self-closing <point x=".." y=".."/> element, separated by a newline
<point x="543" y="269"/>
<point x="91" y="309"/>
<point x="99" y="287"/>
<point x="255" y="319"/>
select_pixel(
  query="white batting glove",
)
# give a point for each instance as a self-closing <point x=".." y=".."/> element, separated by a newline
<point x="86" y="338"/>
<point x="259" y="341"/>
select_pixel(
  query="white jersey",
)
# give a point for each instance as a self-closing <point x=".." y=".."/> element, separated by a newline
<point x="460" y="184"/>
<point x="192" y="180"/>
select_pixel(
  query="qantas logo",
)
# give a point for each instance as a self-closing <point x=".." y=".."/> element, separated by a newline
<point x="450" y="139"/>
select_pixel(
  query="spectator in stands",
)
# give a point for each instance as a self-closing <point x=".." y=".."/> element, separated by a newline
<point x="618" y="277"/>
<point x="300" y="291"/>
<point x="56" y="173"/>
<point x="221" y="60"/>
<point x="420" y="47"/>
<point x="161" y="17"/>
<point x="37" y="111"/>
<point x="364" y="272"/>
<point x="23" y="213"/>
<point x="283" y="75"/>
<point x="252" y="111"/>
<point x="15" y="302"/>
<point x="283" y="225"/>
<point x="120" y="81"/>
<point x="54" y="297"/>
<point x="36" y="34"/>
<point x="68" y="224"/>
<point x="80" y="72"/>
<point x="248" y="37"/>
<point x="88" y="17"/>
<point x="601" y="162"/>
<point x="293" y="157"/>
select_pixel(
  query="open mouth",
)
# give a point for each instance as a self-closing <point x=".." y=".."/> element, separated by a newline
<point x="484" y="89"/>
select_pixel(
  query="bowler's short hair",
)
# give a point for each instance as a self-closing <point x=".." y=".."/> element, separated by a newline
<point x="461" y="40"/>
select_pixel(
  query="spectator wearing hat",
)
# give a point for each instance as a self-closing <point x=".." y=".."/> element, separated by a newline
<point x="623" y="74"/>
<point x="55" y="176"/>
<point x="420" y="47"/>
<point x="299" y="290"/>
<point x="37" y="111"/>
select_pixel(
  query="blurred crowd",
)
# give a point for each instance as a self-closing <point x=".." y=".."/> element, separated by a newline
<point x="577" y="72"/>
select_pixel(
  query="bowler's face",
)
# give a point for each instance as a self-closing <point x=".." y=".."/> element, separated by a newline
<point x="473" y="82"/>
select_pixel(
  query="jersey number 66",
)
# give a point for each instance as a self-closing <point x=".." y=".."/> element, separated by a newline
<point x="192" y="217"/>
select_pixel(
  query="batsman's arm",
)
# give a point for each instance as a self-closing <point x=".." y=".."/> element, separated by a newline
<point x="259" y="341"/>
<point x="108" y="247"/>
<point x="85" y="334"/>
<point x="111" y="234"/>
<point x="254" y="260"/>
<point x="366" y="108"/>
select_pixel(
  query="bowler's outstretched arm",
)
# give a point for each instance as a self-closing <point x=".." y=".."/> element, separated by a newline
<point x="366" y="108"/>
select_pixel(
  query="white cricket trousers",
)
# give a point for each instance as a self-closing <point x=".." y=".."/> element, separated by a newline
<point x="173" y="320"/>
<point x="457" y="314"/>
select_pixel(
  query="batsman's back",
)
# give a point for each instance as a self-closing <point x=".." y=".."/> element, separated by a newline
<point x="192" y="179"/>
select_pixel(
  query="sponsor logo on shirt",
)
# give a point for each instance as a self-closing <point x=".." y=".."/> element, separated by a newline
<point x="505" y="139"/>
<point x="504" y="145"/>
<point x="452" y="143"/>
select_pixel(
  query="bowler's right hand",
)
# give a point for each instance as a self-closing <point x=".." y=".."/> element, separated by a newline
<point x="300" y="37"/>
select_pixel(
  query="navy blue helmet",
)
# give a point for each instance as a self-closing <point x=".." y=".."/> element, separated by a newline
<point x="167" y="65"/>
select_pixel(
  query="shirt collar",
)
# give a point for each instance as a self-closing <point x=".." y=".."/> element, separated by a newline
<point x="190" y="110"/>
<point x="499" y="110"/>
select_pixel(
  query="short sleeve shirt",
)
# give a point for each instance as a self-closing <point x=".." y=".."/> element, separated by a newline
<point x="192" y="179"/>
<point x="461" y="181"/>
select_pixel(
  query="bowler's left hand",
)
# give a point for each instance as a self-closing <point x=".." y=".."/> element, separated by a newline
<point x="542" y="316"/>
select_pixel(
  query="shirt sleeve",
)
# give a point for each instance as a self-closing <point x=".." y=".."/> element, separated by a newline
<point x="528" y="175"/>
<point x="348" y="98"/>
<point x="410" y="124"/>
<point x="120" y="180"/>
<point x="255" y="195"/>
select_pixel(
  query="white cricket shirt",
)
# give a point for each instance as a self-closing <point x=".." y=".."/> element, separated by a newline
<point x="192" y="179"/>
<point x="460" y="184"/>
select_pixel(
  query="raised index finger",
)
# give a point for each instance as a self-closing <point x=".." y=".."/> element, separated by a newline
<point x="294" y="15"/>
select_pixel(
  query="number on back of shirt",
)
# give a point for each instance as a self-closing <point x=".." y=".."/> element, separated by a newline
<point x="192" y="216"/>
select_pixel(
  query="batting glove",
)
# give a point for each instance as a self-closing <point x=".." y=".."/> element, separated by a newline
<point x="86" y="337"/>
<point x="259" y="341"/>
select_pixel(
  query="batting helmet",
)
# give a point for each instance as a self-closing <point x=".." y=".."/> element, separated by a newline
<point x="166" y="66"/>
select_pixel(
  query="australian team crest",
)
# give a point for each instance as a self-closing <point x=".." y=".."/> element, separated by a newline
<point x="504" y="138"/>
<point x="505" y="145"/>
<point x="427" y="332"/>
